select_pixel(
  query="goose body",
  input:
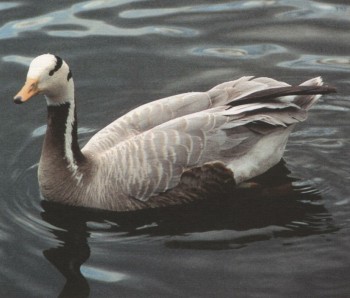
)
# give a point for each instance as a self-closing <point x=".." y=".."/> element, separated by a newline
<point x="170" y="151"/>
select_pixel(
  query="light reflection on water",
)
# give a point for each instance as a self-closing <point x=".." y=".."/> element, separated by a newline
<point x="154" y="48"/>
<point x="338" y="64"/>
<point x="87" y="27"/>
<point x="102" y="275"/>
<point x="314" y="10"/>
<point x="8" y="5"/>
<point x="243" y="52"/>
<point x="18" y="59"/>
<point x="217" y="7"/>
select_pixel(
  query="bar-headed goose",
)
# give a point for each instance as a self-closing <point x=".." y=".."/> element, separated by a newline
<point x="170" y="151"/>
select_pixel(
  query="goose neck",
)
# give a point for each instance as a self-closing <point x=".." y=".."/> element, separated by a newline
<point x="61" y="138"/>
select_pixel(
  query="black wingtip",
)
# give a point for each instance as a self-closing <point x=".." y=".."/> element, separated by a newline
<point x="329" y="89"/>
<point x="268" y="94"/>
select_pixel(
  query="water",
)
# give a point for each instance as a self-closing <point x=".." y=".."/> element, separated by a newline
<point x="293" y="242"/>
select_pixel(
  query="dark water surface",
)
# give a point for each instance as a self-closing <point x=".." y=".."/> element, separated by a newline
<point x="287" y="243"/>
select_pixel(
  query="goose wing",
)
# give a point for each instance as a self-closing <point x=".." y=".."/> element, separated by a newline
<point x="160" y="111"/>
<point x="153" y="161"/>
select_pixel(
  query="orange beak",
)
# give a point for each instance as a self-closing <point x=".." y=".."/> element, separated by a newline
<point x="29" y="89"/>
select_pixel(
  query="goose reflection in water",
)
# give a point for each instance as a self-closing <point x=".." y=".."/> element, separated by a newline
<point x="271" y="201"/>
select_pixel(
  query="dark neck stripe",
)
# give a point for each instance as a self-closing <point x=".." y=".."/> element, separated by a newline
<point x="58" y="65"/>
<point x="57" y="116"/>
<point x="57" y="121"/>
<point x="70" y="75"/>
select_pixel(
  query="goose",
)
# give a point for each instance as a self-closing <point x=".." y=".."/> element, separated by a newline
<point x="167" y="152"/>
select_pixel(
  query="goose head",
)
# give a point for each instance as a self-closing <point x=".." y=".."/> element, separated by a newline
<point x="49" y="75"/>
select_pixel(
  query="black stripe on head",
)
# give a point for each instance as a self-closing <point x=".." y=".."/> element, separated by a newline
<point x="70" y="75"/>
<point x="58" y="65"/>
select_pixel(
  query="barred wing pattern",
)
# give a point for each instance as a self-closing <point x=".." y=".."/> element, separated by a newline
<point x="149" y="148"/>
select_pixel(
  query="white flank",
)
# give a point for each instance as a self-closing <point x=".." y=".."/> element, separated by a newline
<point x="72" y="166"/>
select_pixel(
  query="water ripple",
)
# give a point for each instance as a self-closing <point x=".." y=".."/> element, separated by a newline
<point x="25" y="210"/>
<point x="23" y="60"/>
<point x="329" y="63"/>
<point x="240" y="52"/>
<point x="65" y="23"/>
<point x="314" y="10"/>
<point x="217" y="7"/>
<point x="102" y="275"/>
<point x="316" y="132"/>
<point x="8" y="5"/>
<point x="301" y="9"/>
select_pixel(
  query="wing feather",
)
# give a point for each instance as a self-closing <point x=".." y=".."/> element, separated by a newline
<point x="148" y="149"/>
<point x="160" y="111"/>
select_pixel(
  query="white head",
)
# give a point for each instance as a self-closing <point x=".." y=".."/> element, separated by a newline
<point x="50" y="75"/>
